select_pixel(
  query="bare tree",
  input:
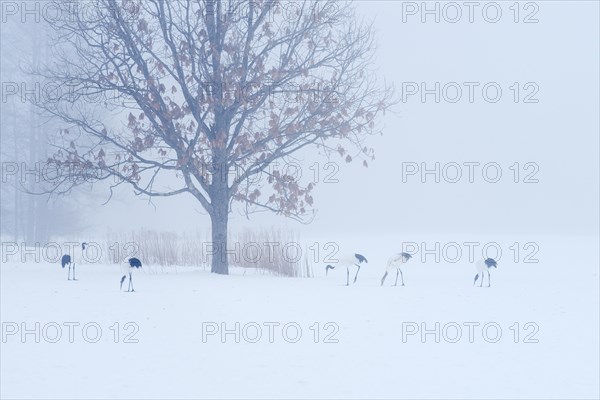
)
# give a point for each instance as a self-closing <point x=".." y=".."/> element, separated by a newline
<point x="192" y="90"/>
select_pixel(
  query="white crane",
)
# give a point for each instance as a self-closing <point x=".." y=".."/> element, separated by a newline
<point x="482" y="266"/>
<point x="66" y="259"/>
<point x="349" y="260"/>
<point x="134" y="263"/>
<point x="396" y="261"/>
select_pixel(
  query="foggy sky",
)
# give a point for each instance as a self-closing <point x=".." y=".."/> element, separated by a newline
<point x="560" y="134"/>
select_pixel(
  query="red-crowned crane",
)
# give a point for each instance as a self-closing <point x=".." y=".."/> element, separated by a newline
<point x="482" y="266"/>
<point x="348" y="261"/>
<point x="396" y="261"/>
<point x="134" y="263"/>
<point x="70" y="261"/>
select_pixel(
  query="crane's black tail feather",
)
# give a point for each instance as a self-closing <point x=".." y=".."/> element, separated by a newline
<point x="66" y="259"/>
<point x="360" y="258"/>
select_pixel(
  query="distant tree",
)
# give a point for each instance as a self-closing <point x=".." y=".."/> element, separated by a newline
<point x="24" y="141"/>
<point x="203" y="88"/>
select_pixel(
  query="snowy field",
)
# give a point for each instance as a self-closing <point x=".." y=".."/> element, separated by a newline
<point x="369" y="342"/>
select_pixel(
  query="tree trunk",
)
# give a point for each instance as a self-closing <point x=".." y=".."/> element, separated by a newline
<point x="219" y="241"/>
<point x="219" y="215"/>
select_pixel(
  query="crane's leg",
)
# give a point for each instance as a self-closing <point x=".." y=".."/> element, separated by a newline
<point x="489" y="279"/>
<point x="69" y="274"/>
<point x="383" y="279"/>
<point x="131" y="281"/>
<point x="401" y="276"/>
<point x="397" y="273"/>
<point x="357" y="271"/>
<point x="347" y="276"/>
<point x="74" y="272"/>
<point x="475" y="280"/>
<point x="482" y="279"/>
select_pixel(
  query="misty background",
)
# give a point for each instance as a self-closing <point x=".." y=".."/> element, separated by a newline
<point x="559" y="133"/>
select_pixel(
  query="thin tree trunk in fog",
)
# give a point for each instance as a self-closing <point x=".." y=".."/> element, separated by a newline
<point x="219" y="220"/>
<point x="17" y="199"/>
<point x="219" y="214"/>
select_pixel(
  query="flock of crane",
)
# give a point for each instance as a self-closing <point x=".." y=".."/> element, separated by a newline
<point x="395" y="262"/>
<point x="134" y="263"/>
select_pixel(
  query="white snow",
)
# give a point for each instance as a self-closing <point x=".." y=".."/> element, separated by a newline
<point x="171" y="360"/>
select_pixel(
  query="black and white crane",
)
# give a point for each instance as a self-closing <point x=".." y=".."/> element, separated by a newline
<point x="66" y="259"/>
<point x="482" y="266"/>
<point x="134" y="263"/>
<point x="396" y="261"/>
<point x="349" y="260"/>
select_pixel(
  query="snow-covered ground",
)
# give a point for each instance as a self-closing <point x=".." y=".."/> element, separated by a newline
<point x="360" y="350"/>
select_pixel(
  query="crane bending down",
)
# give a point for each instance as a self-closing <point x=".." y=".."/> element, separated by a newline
<point x="396" y="261"/>
<point x="349" y="260"/>
<point x="482" y="266"/>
